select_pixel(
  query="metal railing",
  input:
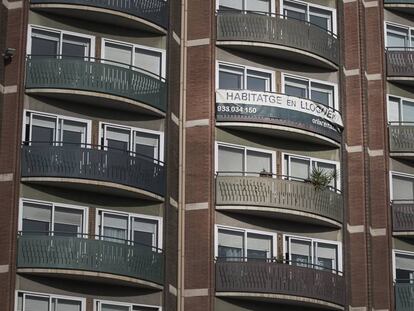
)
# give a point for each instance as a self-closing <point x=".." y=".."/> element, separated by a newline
<point x="274" y="277"/>
<point x="400" y="61"/>
<point x="96" y="75"/>
<point x="62" y="250"/>
<point x="402" y="215"/>
<point x="399" y="1"/>
<point x="404" y="295"/>
<point x="155" y="11"/>
<point x="56" y="159"/>
<point x="401" y="136"/>
<point x="277" y="29"/>
<point x="260" y="189"/>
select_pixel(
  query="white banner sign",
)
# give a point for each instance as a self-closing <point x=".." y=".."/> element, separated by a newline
<point x="279" y="101"/>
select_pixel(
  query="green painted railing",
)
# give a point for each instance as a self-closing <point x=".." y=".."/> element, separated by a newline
<point x="89" y="254"/>
<point x="96" y="75"/>
<point x="399" y="1"/>
<point x="401" y="137"/>
<point x="404" y="296"/>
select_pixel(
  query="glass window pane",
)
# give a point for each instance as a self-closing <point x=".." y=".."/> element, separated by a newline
<point x="117" y="138"/>
<point x="145" y="231"/>
<point x="393" y="109"/>
<point x="75" y="46"/>
<point x="230" y="159"/>
<point x="43" y="129"/>
<point x="230" y="80"/>
<point x="294" y="10"/>
<point x="109" y="307"/>
<point x="147" y="144"/>
<point x="258" y="5"/>
<point x="404" y="265"/>
<point x="73" y="132"/>
<point x="35" y="303"/>
<point x="118" y="53"/>
<point x="36" y="217"/>
<point x="259" y="246"/>
<point x="300" y="252"/>
<point x="397" y="36"/>
<point x="298" y="88"/>
<point x="45" y="42"/>
<point x="68" y="221"/>
<point x="258" y="81"/>
<point x="329" y="169"/>
<point x="323" y="94"/>
<point x="231" y="4"/>
<point x="299" y="168"/>
<point x="408" y="111"/>
<point x="321" y="18"/>
<point x="326" y="256"/>
<point x="402" y="188"/>
<point x="67" y="305"/>
<point x="230" y="244"/>
<point x="116" y="227"/>
<point x="148" y="60"/>
<point x="259" y="162"/>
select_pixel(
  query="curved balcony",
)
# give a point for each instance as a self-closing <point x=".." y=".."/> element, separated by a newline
<point x="403" y="218"/>
<point x="403" y="6"/>
<point x="280" y="283"/>
<point x="400" y="65"/>
<point x="279" y="198"/>
<point x="91" y="168"/>
<point x="401" y="136"/>
<point x="404" y="295"/>
<point x="277" y="35"/>
<point x="147" y="15"/>
<point x="98" y="82"/>
<point x="90" y="258"/>
<point x="279" y="115"/>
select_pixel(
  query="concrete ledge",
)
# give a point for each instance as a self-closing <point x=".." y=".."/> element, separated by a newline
<point x="101" y="14"/>
<point x="99" y="277"/>
<point x="94" y="186"/>
<point x="280" y="298"/>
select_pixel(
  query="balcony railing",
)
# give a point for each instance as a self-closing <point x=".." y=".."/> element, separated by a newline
<point x="401" y="137"/>
<point x="399" y="1"/>
<point x="400" y="62"/>
<point x="93" y="163"/>
<point x="279" y="278"/>
<point x="96" y="75"/>
<point x="155" y="11"/>
<point x="402" y="216"/>
<point x="90" y="253"/>
<point x="404" y="295"/>
<point x="277" y="29"/>
<point x="278" y="193"/>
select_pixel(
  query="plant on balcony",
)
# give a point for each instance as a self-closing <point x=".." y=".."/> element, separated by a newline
<point x="320" y="178"/>
<point x="265" y="173"/>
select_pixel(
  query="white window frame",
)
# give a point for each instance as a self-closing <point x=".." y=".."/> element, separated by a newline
<point x="401" y="99"/>
<point x="131" y="130"/>
<point x="394" y="261"/>
<point x="133" y="46"/>
<point x="97" y="306"/>
<point x="316" y="6"/>
<point x="272" y="6"/>
<point x="272" y="84"/>
<point x="313" y="240"/>
<point x="82" y="300"/>
<point x="61" y="32"/>
<point x="99" y="212"/>
<point x="57" y="118"/>
<point x="410" y="30"/>
<point x="53" y="205"/>
<point x="245" y="148"/>
<point x="401" y="174"/>
<point x="245" y="232"/>
<point x="335" y="96"/>
<point x="311" y="160"/>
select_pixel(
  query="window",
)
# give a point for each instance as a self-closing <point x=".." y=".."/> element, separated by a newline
<point x="314" y="90"/>
<point x="402" y="187"/>
<point x="311" y="253"/>
<point x="44" y="302"/>
<point x="141" y="141"/>
<point x="404" y="267"/>
<point x="48" y="128"/>
<point x="317" y="15"/>
<point x="235" y="244"/>
<point x="119" y="227"/>
<point x="300" y="168"/>
<point x="141" y="57"/>
<point x="399" y="36"/>
<point x="232" y="77"/>
<point x="247" y="5"/>
<point x="45" y="41"/>
<point x="101" y="305"/>
<point x="400" y="109"/>
<point x="240" y="160"/>
<point x="46" y="218"/>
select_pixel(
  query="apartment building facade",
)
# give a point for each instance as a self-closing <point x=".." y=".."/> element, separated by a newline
<point x="206" y="155"/>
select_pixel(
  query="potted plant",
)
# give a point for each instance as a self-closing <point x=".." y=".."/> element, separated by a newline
<point x="321" y="178"/>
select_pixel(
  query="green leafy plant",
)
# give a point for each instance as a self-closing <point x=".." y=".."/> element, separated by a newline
<point x="320" y="178"/>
